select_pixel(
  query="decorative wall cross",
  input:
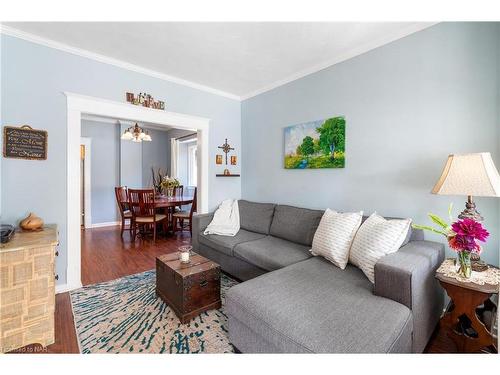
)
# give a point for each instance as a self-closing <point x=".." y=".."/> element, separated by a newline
<point x="226" y="148"/>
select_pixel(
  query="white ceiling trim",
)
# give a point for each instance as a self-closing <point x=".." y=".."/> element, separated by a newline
<point x="111" y="61"/>
<point x="412" y="28"/>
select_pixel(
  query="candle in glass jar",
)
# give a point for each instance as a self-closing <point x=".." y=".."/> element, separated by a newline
<point x="185" y="256"/>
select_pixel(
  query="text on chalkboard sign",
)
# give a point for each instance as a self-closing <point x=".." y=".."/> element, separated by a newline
<point x="24" y="143"/>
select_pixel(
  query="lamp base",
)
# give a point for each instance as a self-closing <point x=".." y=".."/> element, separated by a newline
<point x="470" y="211"/>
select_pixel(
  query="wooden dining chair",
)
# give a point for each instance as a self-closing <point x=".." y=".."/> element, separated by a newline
<point x="180" y="217"/>
<point x="121" y="193"/>
<point x="143" y="208"/>
<point x="178" y="191"/>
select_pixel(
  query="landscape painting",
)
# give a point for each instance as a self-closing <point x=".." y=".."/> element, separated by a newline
<point x="316" y="144"/>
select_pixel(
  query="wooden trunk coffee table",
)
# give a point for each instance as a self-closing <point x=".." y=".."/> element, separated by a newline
<point x="189" y="289"/>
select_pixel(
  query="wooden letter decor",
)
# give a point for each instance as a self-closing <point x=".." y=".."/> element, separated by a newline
<point x="24" y="143"/>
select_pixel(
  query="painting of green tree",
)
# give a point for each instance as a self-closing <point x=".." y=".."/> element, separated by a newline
<point x="316" y="144"/>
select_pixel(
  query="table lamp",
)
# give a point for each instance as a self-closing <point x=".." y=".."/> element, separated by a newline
<point x="471" y="175"/>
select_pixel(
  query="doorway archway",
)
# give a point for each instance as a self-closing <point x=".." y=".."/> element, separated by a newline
<point x="81" y="104"/>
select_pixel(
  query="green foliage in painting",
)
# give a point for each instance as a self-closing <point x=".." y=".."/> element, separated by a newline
<point x="317" y="144"/>
<point x="332" y="136"/>
<point x="307" y="147"/>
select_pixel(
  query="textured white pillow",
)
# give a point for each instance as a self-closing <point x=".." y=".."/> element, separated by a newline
<point x="334" y="236"/>
<point x="376" y="238"/>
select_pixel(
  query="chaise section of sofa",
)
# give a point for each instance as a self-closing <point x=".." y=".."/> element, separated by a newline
<point x="301" y="303"/>
<point x="314" y="307"/>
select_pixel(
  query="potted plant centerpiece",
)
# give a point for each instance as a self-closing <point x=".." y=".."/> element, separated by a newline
<point x="168" y="184"/>
<point x="462" y="236"/>
<point x="157" y="180"/>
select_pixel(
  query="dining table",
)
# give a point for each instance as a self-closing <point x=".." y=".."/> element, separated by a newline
<point x="178" y="200"/>
<point x="167" y="205"/>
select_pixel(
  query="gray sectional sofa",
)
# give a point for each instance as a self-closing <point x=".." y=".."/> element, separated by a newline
<point x="291" y="302"/>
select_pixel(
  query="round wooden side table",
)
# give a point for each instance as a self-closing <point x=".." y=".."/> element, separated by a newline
<point x="469" y="319"/>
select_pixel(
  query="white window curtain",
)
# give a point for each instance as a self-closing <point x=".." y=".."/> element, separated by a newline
<point x="174" y="157"/>
<point x="192" y="165"/>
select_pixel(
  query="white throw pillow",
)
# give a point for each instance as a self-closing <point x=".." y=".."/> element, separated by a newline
<point x="376" y="238"/>
<point x="334" y="236"/>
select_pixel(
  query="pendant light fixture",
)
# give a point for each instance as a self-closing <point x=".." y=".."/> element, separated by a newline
<point x="136" y="134"/>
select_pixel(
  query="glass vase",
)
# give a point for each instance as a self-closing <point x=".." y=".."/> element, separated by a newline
<point x="185" y="253"/>
<point x="465" y="267"/>
<point x="169" y="192"/>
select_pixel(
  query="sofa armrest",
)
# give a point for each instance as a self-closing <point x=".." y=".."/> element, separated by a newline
<point x="200" y="222"/>
<point x="408" y="277"/>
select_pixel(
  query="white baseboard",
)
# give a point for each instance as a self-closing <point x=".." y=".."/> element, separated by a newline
<point x="108" y="224"/>
<point x="63" y="288"/>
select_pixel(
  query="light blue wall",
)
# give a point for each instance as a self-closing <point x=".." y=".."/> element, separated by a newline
<point x="105" y="169"/>
<point x="130" y="162"/>
<point x="115" y="162"/>
<point x="407" y="104"/>
<point x="34" y="78"/>
<point x="154" y="154"/>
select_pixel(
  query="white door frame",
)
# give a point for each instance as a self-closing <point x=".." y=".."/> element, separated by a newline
<point x="87" y="172"/>
<point x="81" y="104"/>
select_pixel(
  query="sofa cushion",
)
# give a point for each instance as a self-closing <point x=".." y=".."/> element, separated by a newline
<point x="271" y="253"/>
<point x="412" y="235"/>
<point x="226" y="244"/>
<point x="295" y="224"/>
<point x="376" y="238"/>
<point x="334" y="236"/>
<point x="256" y="217"/>
<point x="313" y="306"/>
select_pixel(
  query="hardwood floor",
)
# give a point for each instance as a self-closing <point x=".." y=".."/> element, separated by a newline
<point x="105" y="256"/>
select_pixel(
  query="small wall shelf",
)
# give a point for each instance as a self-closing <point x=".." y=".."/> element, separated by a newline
<point x="227" y="175"/>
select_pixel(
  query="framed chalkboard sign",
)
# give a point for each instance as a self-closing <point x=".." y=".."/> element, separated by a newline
<point x="24" y="143"/>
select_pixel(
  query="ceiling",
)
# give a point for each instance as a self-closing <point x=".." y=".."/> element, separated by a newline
<point x="238" y="60"/>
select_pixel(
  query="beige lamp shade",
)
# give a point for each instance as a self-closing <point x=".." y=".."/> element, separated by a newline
<point x="469" y="174"/>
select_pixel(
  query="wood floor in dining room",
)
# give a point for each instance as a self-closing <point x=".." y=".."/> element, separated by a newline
<point x="105" y="256"/>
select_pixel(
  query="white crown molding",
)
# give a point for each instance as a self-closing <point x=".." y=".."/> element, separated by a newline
<point x="7" y="30"/>
<point x="412" y="28"/>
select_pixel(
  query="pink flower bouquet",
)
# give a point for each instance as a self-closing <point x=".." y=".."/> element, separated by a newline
<point x="462" y="236"/>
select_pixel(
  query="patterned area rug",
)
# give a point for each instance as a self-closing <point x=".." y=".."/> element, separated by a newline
<point x="125" y="316"/>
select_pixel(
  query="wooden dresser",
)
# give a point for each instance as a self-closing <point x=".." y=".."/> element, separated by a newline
<point x="27" y="289"/>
